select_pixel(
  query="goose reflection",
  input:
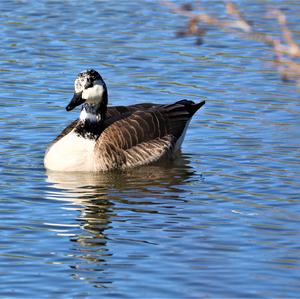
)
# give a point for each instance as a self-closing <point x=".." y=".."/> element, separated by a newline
<point x="80" y="187"/>
<point x="106" y="201"/>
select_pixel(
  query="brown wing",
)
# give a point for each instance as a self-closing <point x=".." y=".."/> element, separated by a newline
<point x="122" y="110"/>
<point x="111" y="157"/>
<point x="115" y="113"/>
<point x="145" y="135"/>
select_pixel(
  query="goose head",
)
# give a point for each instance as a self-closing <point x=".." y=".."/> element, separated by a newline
<point x="90" y="90"/>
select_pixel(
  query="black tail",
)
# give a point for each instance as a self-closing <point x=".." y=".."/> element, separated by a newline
<point x="191" y="106"/>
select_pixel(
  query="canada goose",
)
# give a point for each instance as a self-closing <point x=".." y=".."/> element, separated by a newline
<point x="106" y="138"/>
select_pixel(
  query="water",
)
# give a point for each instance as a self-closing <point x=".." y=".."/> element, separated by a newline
<point x="221" y="221"/>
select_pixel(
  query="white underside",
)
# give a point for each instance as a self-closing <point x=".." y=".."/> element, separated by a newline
<point x="71" y="153"/>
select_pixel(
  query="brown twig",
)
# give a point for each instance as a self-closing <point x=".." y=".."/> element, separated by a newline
<point x="286" y="51"/>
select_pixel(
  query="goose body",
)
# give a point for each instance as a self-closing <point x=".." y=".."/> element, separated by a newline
<point x="106" y="138"/>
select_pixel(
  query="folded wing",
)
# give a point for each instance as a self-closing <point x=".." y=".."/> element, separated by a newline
<point x="144" y="134"/>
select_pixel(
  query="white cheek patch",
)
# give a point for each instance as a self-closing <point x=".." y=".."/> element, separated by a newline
<point x="93" y="95"/>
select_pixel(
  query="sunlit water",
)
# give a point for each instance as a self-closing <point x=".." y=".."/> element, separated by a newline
<point x="223" y="220"/>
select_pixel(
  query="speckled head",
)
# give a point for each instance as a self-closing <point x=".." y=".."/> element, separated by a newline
<point x="89" y="88"/>
<point x="86" y="79"/>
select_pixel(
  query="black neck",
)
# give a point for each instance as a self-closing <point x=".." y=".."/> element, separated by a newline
<point x="91" y="124"/>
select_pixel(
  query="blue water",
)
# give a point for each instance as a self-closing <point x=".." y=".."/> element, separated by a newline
<point x="222" y="221"/>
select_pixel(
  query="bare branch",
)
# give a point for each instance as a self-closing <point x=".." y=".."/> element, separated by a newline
<point x="241" y="21"/>
<point x="293" y="48"/>
<point x="285" y="53"/>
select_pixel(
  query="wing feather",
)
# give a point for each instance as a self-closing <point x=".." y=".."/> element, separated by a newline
<point x="145" y="122"/>
<point x="141" y="154"/>
<point x="142" y="134"/>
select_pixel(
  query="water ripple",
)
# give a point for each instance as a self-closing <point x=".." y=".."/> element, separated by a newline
<point x="221" y="221"/>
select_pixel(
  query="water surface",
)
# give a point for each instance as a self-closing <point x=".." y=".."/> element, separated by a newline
<point x="221" y="221"/>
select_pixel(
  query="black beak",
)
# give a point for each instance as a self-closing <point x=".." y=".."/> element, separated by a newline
<point x="76" y="101"/>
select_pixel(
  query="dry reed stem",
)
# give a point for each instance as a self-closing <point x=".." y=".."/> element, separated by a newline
<point x="285" y="53"/>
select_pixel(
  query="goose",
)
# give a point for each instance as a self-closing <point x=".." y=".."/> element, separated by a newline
<point x="119" y="137"/>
